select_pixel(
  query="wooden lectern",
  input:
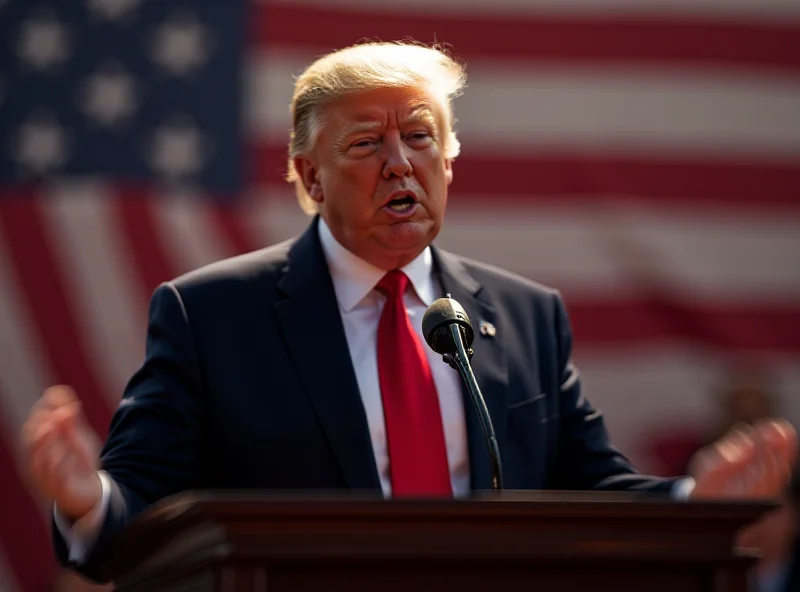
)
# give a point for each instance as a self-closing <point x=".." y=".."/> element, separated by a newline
<point x="511" y="541"/>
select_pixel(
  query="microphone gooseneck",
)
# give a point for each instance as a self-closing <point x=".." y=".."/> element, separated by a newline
<point x="448" y="331"/>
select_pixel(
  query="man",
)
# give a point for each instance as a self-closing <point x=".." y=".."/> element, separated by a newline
<point x="301" y="366"/>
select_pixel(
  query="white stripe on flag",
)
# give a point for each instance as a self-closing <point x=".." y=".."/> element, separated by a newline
<point x="595" y="249"/>
<point x="25" y="371"/>
<point x="191" y="240"/>
<point x="98" y="280"/>
<point x="641" y="391"/>
<point x="269" y="219"/>
<point x="648" y="111"/>
<point x="602" y="252"/>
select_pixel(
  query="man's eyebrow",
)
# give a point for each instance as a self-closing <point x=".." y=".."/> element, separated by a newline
<point x="421" y="112"/>
<point x="363" y="126"/>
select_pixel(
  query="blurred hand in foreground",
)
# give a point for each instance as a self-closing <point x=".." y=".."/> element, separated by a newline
<point x="62" y="453"/>
<point x="747" y="463"/>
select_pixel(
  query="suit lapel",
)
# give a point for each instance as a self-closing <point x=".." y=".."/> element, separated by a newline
<point x="488" y="364"/>
<point x="311" y="323"/>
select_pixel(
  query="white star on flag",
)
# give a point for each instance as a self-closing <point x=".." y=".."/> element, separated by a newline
<point x="181" y="44"/>
<point x="43" y="41"/>
<point x="178" y="149"/>
<point x="112" y="10"/>
<point x="109" y="96"/>
<point x="41" y="144"/>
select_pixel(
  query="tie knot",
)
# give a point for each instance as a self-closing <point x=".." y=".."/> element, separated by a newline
<point x="393" y="284"/>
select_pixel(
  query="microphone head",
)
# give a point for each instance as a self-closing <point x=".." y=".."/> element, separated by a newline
<point x="436" y="326"/>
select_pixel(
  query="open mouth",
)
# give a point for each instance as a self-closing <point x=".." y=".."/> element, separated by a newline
<point x="401" y="204"/>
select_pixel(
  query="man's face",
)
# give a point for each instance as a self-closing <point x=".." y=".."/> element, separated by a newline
<point x="379" y="174"/>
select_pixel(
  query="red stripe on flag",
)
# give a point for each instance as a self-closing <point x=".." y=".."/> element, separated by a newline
<point x="732" y="327"/>
<point x="148" y="253"/>
<point x="26" y="536"/>
<point x="576" y="39"/>
<point x="40" y="277"/>
<point x="585" y="177"/>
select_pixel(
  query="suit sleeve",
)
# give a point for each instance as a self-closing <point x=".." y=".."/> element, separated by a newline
<point x="586" y="458"/>
<point x="156" y="440"/>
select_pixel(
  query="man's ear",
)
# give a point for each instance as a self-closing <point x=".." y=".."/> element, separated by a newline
<point x="309" y="175"/>
<point x="448" y="170"/>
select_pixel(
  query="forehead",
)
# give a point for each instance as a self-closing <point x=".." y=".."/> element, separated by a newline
<point x="382" y="106"/>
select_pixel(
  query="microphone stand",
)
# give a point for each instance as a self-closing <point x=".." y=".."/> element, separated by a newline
<point x="460" y="361"/>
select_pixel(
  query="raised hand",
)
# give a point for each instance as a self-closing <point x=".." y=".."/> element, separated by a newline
<point x="748" y="463"/>
<point x="62" y="453"/>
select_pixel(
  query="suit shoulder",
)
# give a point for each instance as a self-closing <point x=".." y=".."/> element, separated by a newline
<point x="529" y="305"/>
<point x="502" y="280"/>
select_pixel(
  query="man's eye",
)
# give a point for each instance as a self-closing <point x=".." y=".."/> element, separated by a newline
<point x="421" y="138"/>
<point x="363" y="143"/>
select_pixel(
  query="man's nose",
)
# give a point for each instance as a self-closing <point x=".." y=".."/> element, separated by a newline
<point x="396" y="163"/>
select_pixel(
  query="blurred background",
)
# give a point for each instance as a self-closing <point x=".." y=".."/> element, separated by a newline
<point x="642" y="156"/>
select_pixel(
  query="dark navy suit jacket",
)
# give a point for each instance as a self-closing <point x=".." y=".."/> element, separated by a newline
<point x="247" y="383"/>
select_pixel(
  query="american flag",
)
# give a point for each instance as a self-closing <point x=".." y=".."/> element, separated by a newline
<point x="643" y="156"/>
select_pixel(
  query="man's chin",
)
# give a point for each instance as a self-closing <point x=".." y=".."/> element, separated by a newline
<point x="409" y="235"/>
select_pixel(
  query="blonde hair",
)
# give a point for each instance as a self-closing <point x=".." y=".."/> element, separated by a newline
<point x="365" y="67"/>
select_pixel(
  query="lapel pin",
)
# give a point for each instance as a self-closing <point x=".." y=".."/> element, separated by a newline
<point x="487" y="329"/>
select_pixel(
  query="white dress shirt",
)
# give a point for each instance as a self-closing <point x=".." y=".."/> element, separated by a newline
<point x="361" y="305"/>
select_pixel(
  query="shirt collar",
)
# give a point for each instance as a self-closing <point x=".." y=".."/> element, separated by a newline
<point x="353" y="278"/>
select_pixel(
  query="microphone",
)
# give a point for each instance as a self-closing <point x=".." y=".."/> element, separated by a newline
<point x="448" y="331"/>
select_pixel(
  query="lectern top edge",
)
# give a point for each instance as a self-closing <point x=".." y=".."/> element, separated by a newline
<point x="234" y="505"/>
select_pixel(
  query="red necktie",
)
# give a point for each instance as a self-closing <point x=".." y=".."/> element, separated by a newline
<point x="414" y="431"/>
